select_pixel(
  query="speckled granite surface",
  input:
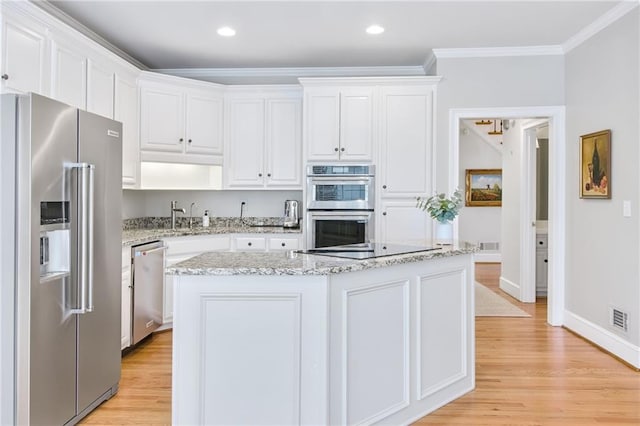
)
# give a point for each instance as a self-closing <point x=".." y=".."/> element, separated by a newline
<point x="293" y="263"/>
<point x="183" y="222"/>
<point x="138" y="236"/>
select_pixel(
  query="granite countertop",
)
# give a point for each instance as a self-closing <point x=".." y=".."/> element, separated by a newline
<point x="145" y="229"/>
<point x="294" y="263"/>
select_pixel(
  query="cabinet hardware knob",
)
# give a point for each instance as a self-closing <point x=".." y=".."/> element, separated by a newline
<point x="259" y="174"/>
<point x="189" y="140"/>
<point x="181" y="140"/>
<point x="335" y="149"/>
<point x="384" y="247"/>
<point x="342" y="149"/>
<point x="249" y="243"/>
<point x="384" y="213"/>
<point x="546" y="260"/>
<point x="5" y="76"/>
<point x="283" y="244"/>
<point x="540" y="242"/>
<point x="268" y="174"/>
<point x="384" y="186"/>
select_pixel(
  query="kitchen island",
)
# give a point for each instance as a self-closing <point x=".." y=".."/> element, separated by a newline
<point x="290" y="338"/>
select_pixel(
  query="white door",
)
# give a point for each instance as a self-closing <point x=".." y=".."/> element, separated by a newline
<point x="68" y="75"/>
<point x="284" y="143"/>
<point x="356" y="124"/>
<point x="204" y="125"/>
<point x="245" y="145"/>
<point x="161" y="120"/>
<point x="402" y="222"/>
<point x="23" y="59"/>
<point x="126" y="111"/>
<point x="322" y="125"/>
<point x="406" y="142"/>
<point x="100" y="86"/>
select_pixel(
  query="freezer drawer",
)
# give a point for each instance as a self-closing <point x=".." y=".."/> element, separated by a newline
<point x="148" y="280"/>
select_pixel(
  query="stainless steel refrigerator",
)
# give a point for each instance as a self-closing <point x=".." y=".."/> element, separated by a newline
<point x="67" y="254"/>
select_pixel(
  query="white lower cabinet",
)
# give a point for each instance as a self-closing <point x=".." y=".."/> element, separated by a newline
<point x="287" y="243"/>
<point x="125" y="325"/>
<point x="182" y="248"/>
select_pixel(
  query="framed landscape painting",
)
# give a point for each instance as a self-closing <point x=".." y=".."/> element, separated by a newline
<point x="483" y="187"/>
<point x="595" y="165"/>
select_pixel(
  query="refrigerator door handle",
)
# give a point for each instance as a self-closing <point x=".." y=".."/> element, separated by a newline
<point x="85" y="236"/>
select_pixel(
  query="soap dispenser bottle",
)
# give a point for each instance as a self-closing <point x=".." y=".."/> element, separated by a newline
<point x="205" y="219"/>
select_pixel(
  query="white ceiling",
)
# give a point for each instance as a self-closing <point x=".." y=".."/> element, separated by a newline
<point x="182" y="34"/>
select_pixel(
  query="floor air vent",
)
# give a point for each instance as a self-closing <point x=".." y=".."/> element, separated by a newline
<point x="619" y="319"/>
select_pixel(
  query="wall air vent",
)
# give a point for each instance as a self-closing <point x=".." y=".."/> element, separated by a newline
<point x="619" y="319"/>
<point x="490" y="246"/>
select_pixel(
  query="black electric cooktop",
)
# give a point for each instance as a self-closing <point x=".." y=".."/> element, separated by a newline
<point x="367" y="250"/>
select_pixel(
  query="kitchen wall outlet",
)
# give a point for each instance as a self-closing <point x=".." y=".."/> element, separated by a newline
<point x="626" y="208"/>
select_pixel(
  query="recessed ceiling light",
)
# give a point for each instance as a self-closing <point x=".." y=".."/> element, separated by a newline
<point x="226" y="32"/>
<point x="375" y="29"/>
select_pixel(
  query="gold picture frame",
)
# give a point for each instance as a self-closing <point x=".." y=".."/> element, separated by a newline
<point x="483" y="188"/>
<point x="595" y="165"/>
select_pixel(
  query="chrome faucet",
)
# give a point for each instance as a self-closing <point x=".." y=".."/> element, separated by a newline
<point x="174" y="209"/>
<point x="191" y="215"/>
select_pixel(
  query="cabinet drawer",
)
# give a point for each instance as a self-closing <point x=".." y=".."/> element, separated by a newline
<point x="541" y="241"/>
<point x="250" y="244"/>
<point x="283" y="244"/>
<point x="196" y="245"/>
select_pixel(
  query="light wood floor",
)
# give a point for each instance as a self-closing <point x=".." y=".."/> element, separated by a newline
<point x="527" y="373"/>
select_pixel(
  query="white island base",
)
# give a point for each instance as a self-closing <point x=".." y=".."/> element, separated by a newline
<point x="380" y="344"/>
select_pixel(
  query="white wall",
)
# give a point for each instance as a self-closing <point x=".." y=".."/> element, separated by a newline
<point x="478" y="224"/>
<point x="602" y="92"/>
<point x="492" y="82"/>
<point x="219" y="203"/>
<point x="511" y="190"/>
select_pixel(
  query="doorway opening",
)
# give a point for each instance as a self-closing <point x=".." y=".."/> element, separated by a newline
<point x="523" y="257"/>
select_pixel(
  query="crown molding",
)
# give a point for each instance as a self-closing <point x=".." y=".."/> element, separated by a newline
<point x="370" y="81"/>
<point x="599" y="24"/>
<point x="151" y="77"/>
<point x="58" y="14"/>
<point x="491" y="52"/>
<point x="429" y="62"/>
<point x="209" y="73"/>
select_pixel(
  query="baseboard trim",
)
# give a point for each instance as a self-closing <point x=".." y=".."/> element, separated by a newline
<point x="603" y="338"/>
<point x="509" y="287"/>
<point x="481" y="257"/>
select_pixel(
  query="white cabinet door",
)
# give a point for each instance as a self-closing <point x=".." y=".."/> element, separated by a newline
<point x="245" y="142"/>
<point x="284" y="143"/>
<point x="125" y="311"/>
<point x="161" y="119"/>
<point x="68" y="75"/>
<point x="356" y="124"/>
<point x="23" y="57"/>
<point x="204" y="125"/>
<point x="406" y="142"/>
<point x="322" y="125"/>
<point x="126" y="111"/>
<point x="401" y="222"/>
<point x="250" y="244"/>
<point x="100" y="89"/>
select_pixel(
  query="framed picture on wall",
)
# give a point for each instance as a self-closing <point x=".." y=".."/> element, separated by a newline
<point x="595" y="165"/>
<point x="483" y="187"/>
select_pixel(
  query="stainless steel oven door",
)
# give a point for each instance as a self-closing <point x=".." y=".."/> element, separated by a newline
<point x="345" y="192"/>
<point x="333" y="228"/>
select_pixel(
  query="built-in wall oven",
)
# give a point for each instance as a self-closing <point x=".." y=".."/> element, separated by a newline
<point x="340" y="204"/>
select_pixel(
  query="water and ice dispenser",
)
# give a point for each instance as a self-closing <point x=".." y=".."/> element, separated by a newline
<point x="55" y="239"/>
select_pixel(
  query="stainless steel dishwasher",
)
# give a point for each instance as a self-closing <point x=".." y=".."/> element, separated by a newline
<point x="147" y="288"/>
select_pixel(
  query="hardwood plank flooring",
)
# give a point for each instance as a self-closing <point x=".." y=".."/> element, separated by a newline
<point x="527" y="373"/>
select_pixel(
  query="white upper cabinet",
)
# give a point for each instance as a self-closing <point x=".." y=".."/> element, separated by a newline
<point x="263" y="137"/>
<point x="399" y="221"/>
<point x="180" y="120"/>
<point x="100" y="88"/>
<point x="339" y="123"/>
<point x="126" y="111"/>
<point x="24" y="59"/>
<point x="68" y="73"/>
<point x="406" y="141"/>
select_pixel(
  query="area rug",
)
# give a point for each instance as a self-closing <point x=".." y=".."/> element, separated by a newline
<point x="489" y="304"/>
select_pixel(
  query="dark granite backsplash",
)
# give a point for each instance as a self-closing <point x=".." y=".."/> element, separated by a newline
<point x="183" y="222"/>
